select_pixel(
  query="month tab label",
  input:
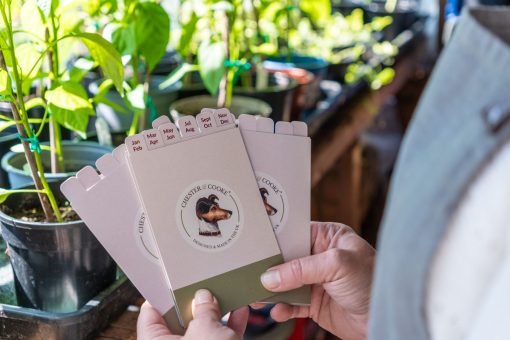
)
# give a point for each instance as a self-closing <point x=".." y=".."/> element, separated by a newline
<point x="187" y="126"/>
<point x="206" y="121"/>
<point x="135" y="144"/>
<point x="169" y="133"/>
<point x="223" y="117"/>
<point x="153" y="139"/>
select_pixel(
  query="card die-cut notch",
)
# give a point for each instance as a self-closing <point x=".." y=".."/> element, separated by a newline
<point x="107" y="164"/>
<point x="169" y="132"/>
<point x="88" y="177"/>
<point x="153" y="139"/>
<point x="284" y="128"/>
<point x="119" y="153"/>
<point x="72" y="188"/>
<point x="161" y="120"/>
<point x="187" y="126"/>
<point x="247" y="122"/>
<point x="299" y="129"/>
<point x="265" y="124"/>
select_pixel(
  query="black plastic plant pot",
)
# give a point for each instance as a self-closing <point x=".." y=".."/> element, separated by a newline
<point x="316" y="66"/>
<point x="170" y="61"/>
<point x="121" y="121"/>
<point x="8" y="138"/>
<point x="278" y="92"/>
<point x="76" y="156"/>
<point x="240" y="105"/>
<point x="58" y="267"/>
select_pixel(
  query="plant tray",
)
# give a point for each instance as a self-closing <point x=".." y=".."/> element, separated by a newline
<point x="26" y="323"/>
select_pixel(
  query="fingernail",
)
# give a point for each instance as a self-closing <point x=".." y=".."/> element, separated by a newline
<point x="270" y="279"/>
<point x="203" y="296"/>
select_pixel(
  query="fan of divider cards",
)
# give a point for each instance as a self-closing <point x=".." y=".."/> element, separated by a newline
<point x="192" y="187"/>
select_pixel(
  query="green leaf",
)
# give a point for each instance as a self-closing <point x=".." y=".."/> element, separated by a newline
<point x="80" y="68"/>
<point x="223" y="6"/>
<point x="46" y="6"/>
<point x="34" y="102"/>
<point x="382" y="78"/>
<point x="124" y="39"/>
<point x="187" y="32"/>
<point x="136" y="98"/>
<point x="318" y="10"/>
<point x="106" y="56"/>
<point x="5" y="83"/>
<point x="5" y="125"/>
<point x="211" y="58"/>
<point x="152" y="32"/>
<point x="178" y="74"/>
<point x="32" y="18"/>
<point x="70" y="107"/>
<point x="4" y="194"/>
<point x="4" y="46"/>
<point x="29" y="59"/>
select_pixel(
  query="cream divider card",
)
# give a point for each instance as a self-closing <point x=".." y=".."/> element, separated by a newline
<point x="280" y="155"/>
<point x="201" y="198"/>
<point x="109" y="206"/>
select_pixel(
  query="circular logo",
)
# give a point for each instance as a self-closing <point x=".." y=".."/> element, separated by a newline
<point x="275" y="200"/>
<point x="209" y="216"/>
<point x="144" y="238"/>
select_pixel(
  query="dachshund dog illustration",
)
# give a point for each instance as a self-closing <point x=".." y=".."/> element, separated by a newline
<point x="269" y="208"/>
<point x="209" y="213"/>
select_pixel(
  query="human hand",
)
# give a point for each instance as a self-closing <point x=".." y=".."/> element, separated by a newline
<point x="206" y="322"/>
<point x="340" y="271"/>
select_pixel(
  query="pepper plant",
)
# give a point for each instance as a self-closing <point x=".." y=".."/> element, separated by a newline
<point x="220" y="40"/>
<point x="140" y="32"/>
<point x="36" y="41"/>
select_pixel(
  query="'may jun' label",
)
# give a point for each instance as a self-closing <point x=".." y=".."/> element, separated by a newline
<point x="209" y="216"/>
<point x="275" y="200"/>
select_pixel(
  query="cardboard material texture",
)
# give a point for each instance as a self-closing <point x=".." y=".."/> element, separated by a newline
<point x="280" y="156"/>
<point x="109" y="206"/>
<point x="202" y="201"/>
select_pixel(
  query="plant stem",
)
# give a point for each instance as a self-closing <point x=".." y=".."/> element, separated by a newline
<point x="145" y="114"/>
<point x="57" y="158"/>
<point x="47" y="200"/>
<point x="222" y="93"/>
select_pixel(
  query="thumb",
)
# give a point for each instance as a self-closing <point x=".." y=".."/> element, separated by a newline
<point x="205" y="306"/>
<point x="316" y="269"/>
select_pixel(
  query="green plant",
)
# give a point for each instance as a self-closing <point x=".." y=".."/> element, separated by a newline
<point x="140" y="32"/>
<point x="221" y="41"/>
<point x="280" y="22"/>
<point x="36" y="41"/>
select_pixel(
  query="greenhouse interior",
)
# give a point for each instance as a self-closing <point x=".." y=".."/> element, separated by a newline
<point x="254" y="169"/>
